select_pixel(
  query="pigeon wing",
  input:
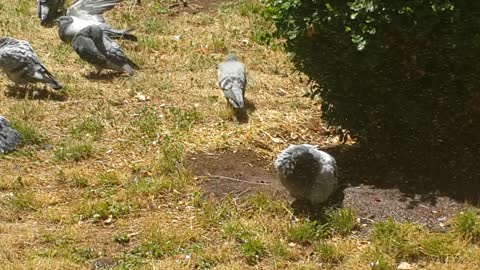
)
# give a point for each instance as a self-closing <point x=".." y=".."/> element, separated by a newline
<point x="91" y="9"/>
<point x="117" y="57"/>
<point x="86" y="48"/>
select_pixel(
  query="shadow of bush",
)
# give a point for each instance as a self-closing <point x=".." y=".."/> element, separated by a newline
<point x="402" y="77"/>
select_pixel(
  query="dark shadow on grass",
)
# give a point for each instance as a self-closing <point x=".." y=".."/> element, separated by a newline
<point x="358" y="166"/>
<point x="243" y="115"/>
<point x="105" y="77"/>
<point x="34" y="92"/>
<point x="48" y="24"/>
<point x="317" y="212"/>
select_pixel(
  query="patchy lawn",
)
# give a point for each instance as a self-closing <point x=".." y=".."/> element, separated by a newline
<point x="155" y="172"/>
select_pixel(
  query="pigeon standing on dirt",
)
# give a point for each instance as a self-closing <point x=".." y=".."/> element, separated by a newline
<point x="99" y="50"/>
<point x="232" y="80"/>
<point x="9" y="137"/>
<point x="22" y="65"/>
<point x="307" y="173"/>
<point x="84" y="13"/>
<point x="48" y="10"/>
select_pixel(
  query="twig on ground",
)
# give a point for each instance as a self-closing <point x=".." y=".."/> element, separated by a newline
<point x="233" y="179"/>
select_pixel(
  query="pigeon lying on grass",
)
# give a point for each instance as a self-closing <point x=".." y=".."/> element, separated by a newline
<point x="22" y="65"/>
<point x="232" y="80"/>
<point x="84" y="13"/>
<point x="9" y="137"/>
<point x="307" y="173"/>
<point x="99" y="50"/>
<point x="48" y="10"/>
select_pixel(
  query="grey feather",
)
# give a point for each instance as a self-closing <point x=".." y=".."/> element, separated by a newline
<point x="84" y="13"/>
<point x="232" y="80"/>
<point x="22" y="65"/>
<point x="307" y="173"/>
<point x="48" y="10"/>
<point x="99" y="50"/>
<point x="9" y="137"/>
<point x="91" y="10"/>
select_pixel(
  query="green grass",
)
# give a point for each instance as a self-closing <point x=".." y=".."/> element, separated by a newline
<point x="307" y="232"/>
<point x="103" y="209"/>
<point x="74" y="151"/>
<point x="329" y="252"/>
<point x="397" y="240"/>
<point x="25" y="201"/>
<point x="30" y="135"/>
<point x="253" y="249"/>
<point x="122" y="238"/>
<point x="342" y="221"/>
<point x="467" y="224"/>
<point x="88" y="128"/>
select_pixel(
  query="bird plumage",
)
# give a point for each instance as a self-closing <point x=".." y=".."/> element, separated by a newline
<point x="48" y="10"/>
<point x="9" y="137"/>
<point x="22" y="65"/>
<point x="93" y="46"/>
<point x="84" y="13"/>
<point x="307" y="173"/>
<point x="232" y="80"/>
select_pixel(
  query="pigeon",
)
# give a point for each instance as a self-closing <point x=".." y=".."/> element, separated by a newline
<point x="48" y="10"/>
<point x="232" y="80"/>
<point x="307" y="173"/>
<point x="84" y="13"/>
<point x="99" y="50"/>
<point x="9" y="137"/>
<point x="22" y="65"/>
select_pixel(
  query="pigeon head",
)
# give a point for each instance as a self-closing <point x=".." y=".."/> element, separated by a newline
<point x="64" y="21"/>
<point x="232" y="56"/>
<point x="237" y="102"/>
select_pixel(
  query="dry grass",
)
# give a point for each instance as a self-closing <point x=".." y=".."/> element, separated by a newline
<point x="101" y="172"/>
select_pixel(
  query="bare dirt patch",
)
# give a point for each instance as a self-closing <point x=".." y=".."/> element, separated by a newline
<point x="236" y="174"/>
<point x="375" y="204"/>
<point x="243" y="173"/>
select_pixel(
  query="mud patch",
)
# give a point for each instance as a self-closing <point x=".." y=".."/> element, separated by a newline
<point x="236" y="174"/>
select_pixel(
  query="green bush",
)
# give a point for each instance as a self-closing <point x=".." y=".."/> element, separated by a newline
<point x="400" y="75"/>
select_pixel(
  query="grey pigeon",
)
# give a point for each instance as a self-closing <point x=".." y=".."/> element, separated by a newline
<point x="22" y="65"/>
<point x="9" y="137"/>
<point x="84" y="13"/>
<point x="232" y="80"/>
<point x="99" y="50"/>
<point x="48" y="10"/>
<point x="307" y="173"/>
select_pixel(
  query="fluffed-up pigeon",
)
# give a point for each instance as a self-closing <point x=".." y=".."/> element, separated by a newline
<point x="307" y="173"/>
